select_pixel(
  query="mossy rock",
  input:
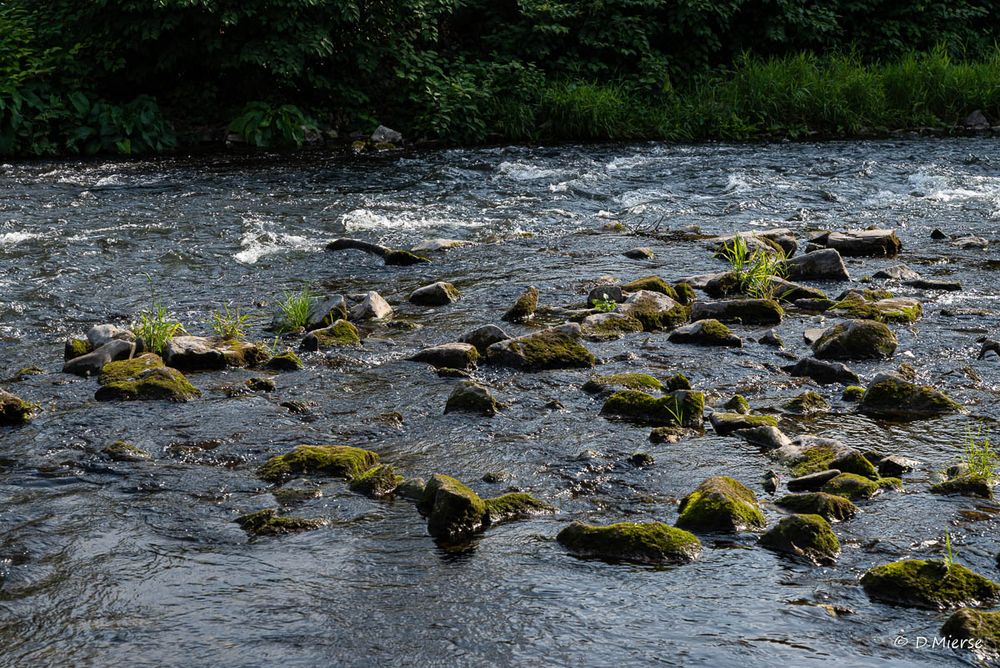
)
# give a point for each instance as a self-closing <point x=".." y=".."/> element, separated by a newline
<point x="653" y="284"/>
<point x="337" y="461"/>
<point x="76" y="348"/>
<point x="15" y="411"/>
<point x="967" y="484"/>
<point x="929" y="584"/>
<point x="853" y="393"/>
<point x="807" y="536"/>
<point x="341" y="333"/>
<point x="854" y="462"/>
<point x="377" y="482"/>
<point x="685" y="293"/>
<point x="471" y="397"/>
<point x="286" y="361"/>
<point x="626" y="381"/>
<point x="738" y="404"/>
<point x="745" y="311"/>
<point x="856" y="340"/>
<point x="890" y="396"/>
<point x="852" y="486"/>
<point x="116" y="372"/>
<point x="524" y="307"/>
<point x="268" y="522"/>
<point x="454" y="512"/>
<point x="814" y="459"/>
<point x="678" y="381"/>
<point x="708" y="332"/>
<point x="150" y="383"/>
<point x="679" y="408"/>
<point x="294" y="495"/>
<point x="548" y="349"/>
<point x="726" y="423"/>
<point x="24" y="372"/>
<point x="876" y="307"/>
<point x="980" y="629"/>
<point x="721" y="504"/>
<point x="645" y="543"/>
<point x="605" y="326"/>
<point x="514" y="506"/>
<point x="807" y="402"/>
<point x="260" y="384"/>
<point x="655" y="310"/>
<point x="403" y="258"/>
<point x="123" y="451"/>
<point x="830" y="507"/>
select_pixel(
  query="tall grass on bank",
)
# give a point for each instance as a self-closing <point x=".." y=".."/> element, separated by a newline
<point x="793" y="96"/>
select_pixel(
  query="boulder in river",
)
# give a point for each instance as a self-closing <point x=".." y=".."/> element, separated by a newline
<point x="654" y="310"/>
<point x="268" y="522"/>
<point x="812" y="481"/>
<point x="523" y="308"/>
<point x="821" y="265"/>
<point x="806" y="403"/>
<point x="554" y="348"/>
<point x="449" y="356"/>
<point x="604" y="293"/>
<point x="337" y="461"/>
<point x="890" y="396"/>
<point x="484" y="337"/>
<point x="892" y="309"/>
<point x="123" y="451"/>
<point x="683" y="408"/>
<point x="98" y="335"/>
<point x="622" y="381"/>
<point x="323" y="312"/>
<point x="974" y="629"/>
<point x="435" y="294"/>
<point x="74" y="348"/>
<point x="340" y="333"/>
<point x="929" y="584"/>
<point x="372" y="307"/>
<point x="471" y="397"/>
<point x="966" y="484"/>
<point x="765" y="437"/>
<point x="15" y="411"/>
<point x="720" y="504"/>
<point x="852" y="486"/>
<point x="830" y="507"/>
<point x="931" y="284"/>
<point x="91" y="363"/>
<point x="708" y="332"/>
<point x="897" y="272"/>
<point x="437" y="245"/>
<point x="640" y="253"/>
<point x="808" y="537"/>
<point x="378" y="482"/>
<point x="824" y="373"/>
<point x="745" y="311"/>
<point x="195" y="353"/>
<point x="143" y="378"/>
<point x="651" y="284"/>
<point x="856" y="340"/>
<point x="636" y="542"/>
<point x="861" y="243"/>
<point x="514" y="506"/>
<point x="613" y="325"/>
<point x="725" y="424"/>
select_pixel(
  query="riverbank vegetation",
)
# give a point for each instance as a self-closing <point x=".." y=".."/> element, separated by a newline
<point x="136" y="77"/>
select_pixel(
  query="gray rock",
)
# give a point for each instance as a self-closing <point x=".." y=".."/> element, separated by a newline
<point x="92" y="363"/>
<point x="812" y="482"/>
<point x="384" y="135"/>
<point x="613" y="325"/>
<point x="745" y="311"/>
<point x="323" y="312"/>
<point x="641" y="253"/>
<point x="373" y="307"/>
<point x="771" y="338"/>
<point x="894" y="466"/>
<point x="706" y="333"/>
<point x="98" y="335"/>
<point x="412" y="489"/>
<point x="861" y="243"/>
<point x="435" y="294"/>
<point x="976" y="121"/>
<point x="812" y="334"/>
<point x="605" y="292"/>
<point x="930" y="284"/>
<point x="824" y="373"/>
<point x="766" y="437"/>
<point x="484" y="337"/>
<point x="654" y="310"/>
<point x="821" y="265"/>
<point x="449" y="355"/>
<point x="970" y="241"/>
<point x="194" y="353"/>
<point x="897" y="272"/>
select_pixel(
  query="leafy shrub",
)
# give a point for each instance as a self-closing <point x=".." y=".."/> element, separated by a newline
<point x="265" y="126"/>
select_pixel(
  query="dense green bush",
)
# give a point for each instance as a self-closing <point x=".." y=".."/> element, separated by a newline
<point x="85" y="77"/>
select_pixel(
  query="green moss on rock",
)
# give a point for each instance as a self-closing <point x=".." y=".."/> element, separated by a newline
<point x="15" y="411"/>
<point x="653" y="284"/>
<point x="890" y="396"/>
<point x="627" y="381"/>
<point x="852" y="486"/>
<point x="830" y="507"/>
<point x="268" y="522"/>
<point x="853" y="393"/>
<point x="856" y="340"/>
<point x="377" y="482"/>
<point x="982" y="629"/>
<point x="75" y="348"/>
<point x="678" y="381"/>
<point x="513" y="506"/>
<point x="814" y="459"/>
<point x="338" y="461"/>
<point x="655" y="311"/>
<point x="547" y="349"/>
<point x="116" y="372"/>
<point x="726" y="423"/>
<point x="685" y="293"/>
<point x="403" y="258"/>
<point x="738" y="404"/>
<point x="644" y="543"/>
<point x="807" y="402"/>
<point x="149" y="384"/>
<point x="123" y="451"/>
<point x="286" y="361"/>
<point x="471" y="397"/>
<point x="967" y="484"/>
<point x="720" y="504"/>
<point x="340" y="333"/>
<point x="805" y="536"/>
<point x="929" y="584"/>
<point x="454" y="512"/>
<point x="524" y="307"/>
<point x="679" y="408"/>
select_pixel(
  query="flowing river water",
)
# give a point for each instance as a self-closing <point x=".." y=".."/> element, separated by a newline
<point x="114" y="563"/>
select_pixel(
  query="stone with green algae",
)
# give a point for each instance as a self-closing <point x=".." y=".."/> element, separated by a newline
<point x="721" y="504"/>
<point x="337" y="461"/>
<point x="929" y="584"/>
<point x="637" y="542"/>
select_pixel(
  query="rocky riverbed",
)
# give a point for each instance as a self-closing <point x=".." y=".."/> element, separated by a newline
<point x="532" y="415"/>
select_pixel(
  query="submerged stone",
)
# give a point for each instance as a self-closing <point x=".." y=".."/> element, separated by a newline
<point x="720" y="504"/>
<point x="268" y="522"/>
<point x="929" y="584"/>
<point x="805" y="536"/>
<point x="514" y="506"/>
<point x="471" y="397"/>
<point x="726" y="423"/>
<point x="644" y="543"/>
<point x="123" y="451"/>
<point x="603" y="326"/>
<point x="338" y="461"/>
<point x="806" y="403"/>
<point x="377" y="482"/>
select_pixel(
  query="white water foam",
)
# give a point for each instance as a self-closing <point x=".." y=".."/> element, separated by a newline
<point x="259" y="241"/>
<point x="522" y="171"/>
<point x="366" y="220"/>
<point x="14" y="238"/>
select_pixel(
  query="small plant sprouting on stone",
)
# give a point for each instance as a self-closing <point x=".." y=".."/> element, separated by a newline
<point x="156" y="327"/>
<point x="754" y="270"/>
<point x="949" y="555"/>
<point x="979" y="455"/>
<point x="605" y="304"/>
<point x="676" y="411"/>
<point x="229" y="323"/>
<point x="295" y="310"/>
